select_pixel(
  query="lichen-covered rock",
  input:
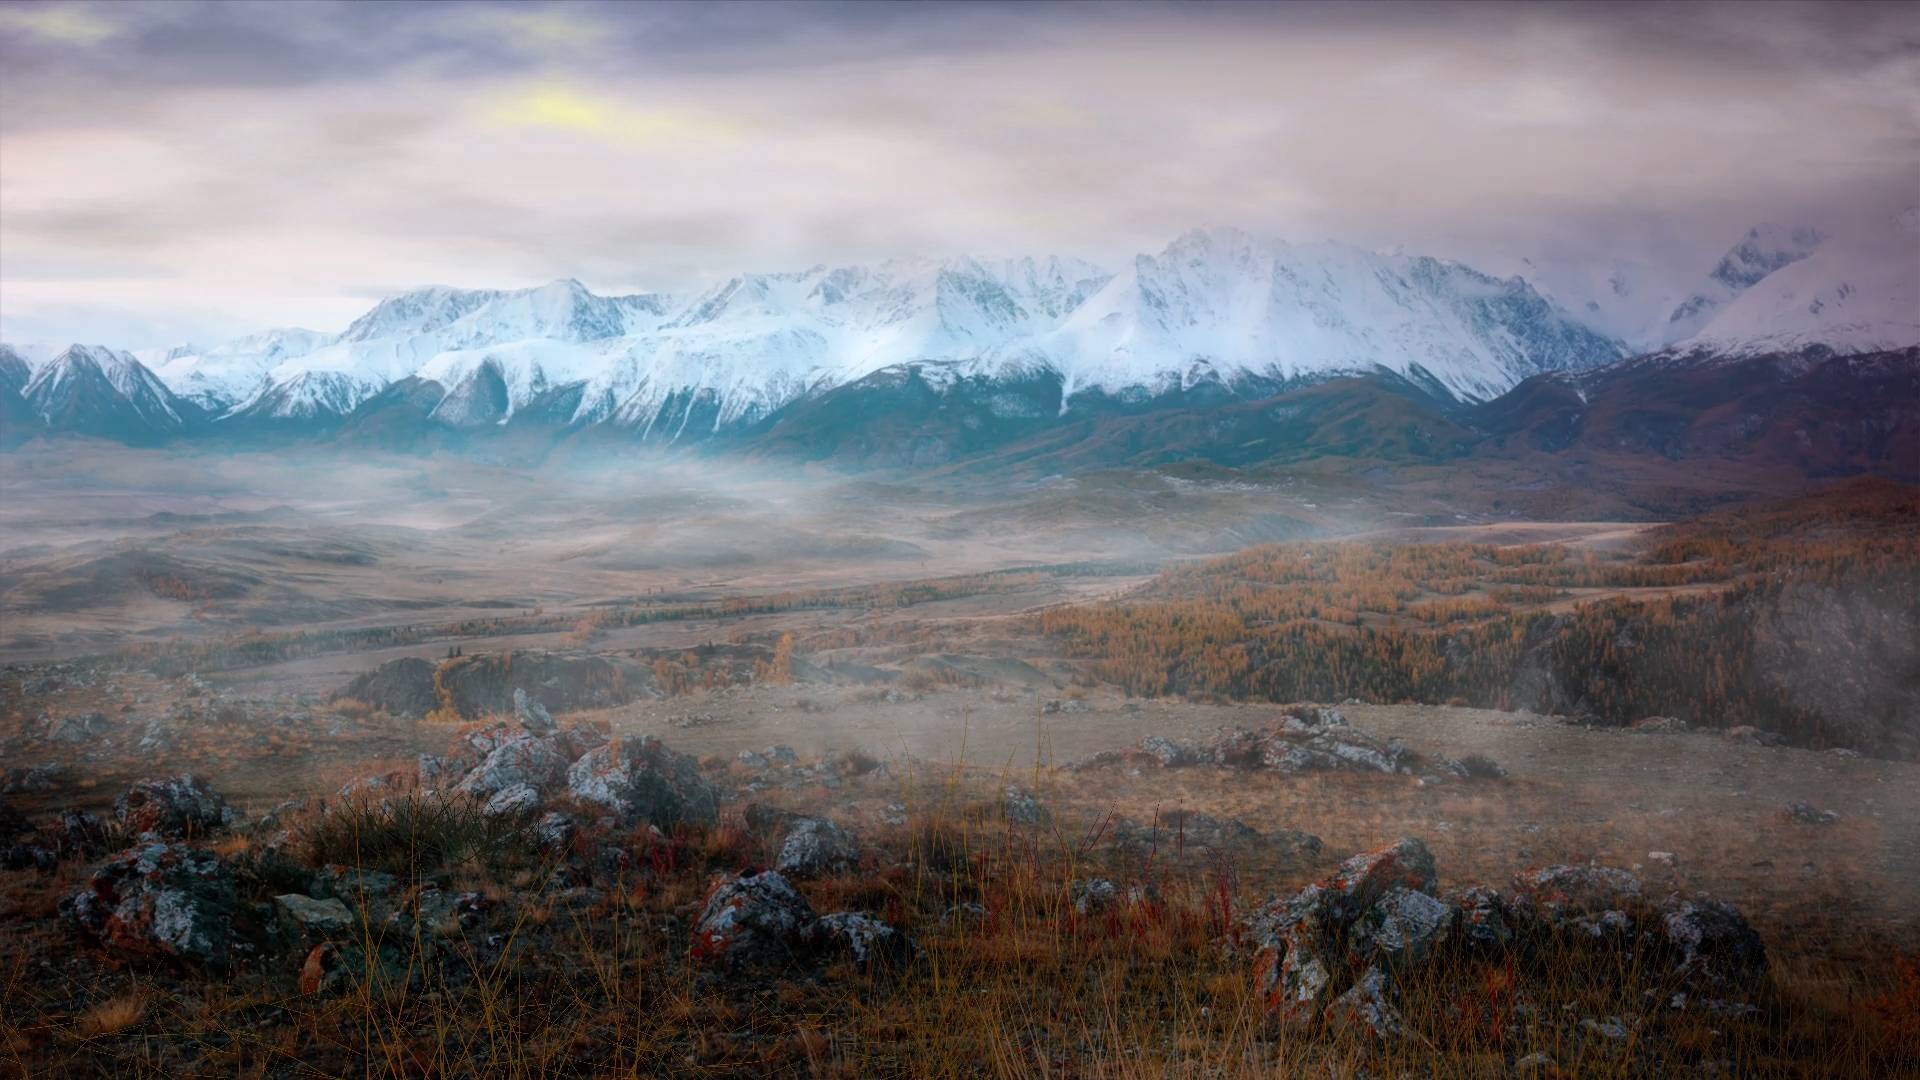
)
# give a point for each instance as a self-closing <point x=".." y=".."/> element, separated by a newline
<point x="1297" y="943"/>
<point x="1170" y="754"/>
<point x="756" y="922"/>
<point x="1293" y="942"/>
<point x="519" y="800"/>
<point x="160" y="901"/>
<point x="172" y="808"/>
<point x="532" y="715"/>
<point x="1592" y="901"/>
<point x="1483" y="922"/>
<point x="861" y="938"/>
<point x="1311" y="720"/>
<point x="640" y="779"/>
<point x="1367" y="1007"/>
<point x="1713" y="940"/>
<point x="1400" y="931"/>
<point x="1363" y="879"/>
<point x="814" y="847"/>
<point x="537" y="763"/>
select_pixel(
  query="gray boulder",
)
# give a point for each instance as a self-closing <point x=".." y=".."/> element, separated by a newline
<point x="520" y="800"/>
<point x="1401" y="930"/>
<point x="640" y="779"/>
<point x="814" y="847"/>
<point x="159" y="901"/>
<point x="861" y="938"/>
<point x="1592" y="901"/>
<point x="313" y="918"/>
<point x="757" y="922"/>
<point x="522" y="760"/>
<point x="1713" y="940"/>
<point x="532" y="715"/>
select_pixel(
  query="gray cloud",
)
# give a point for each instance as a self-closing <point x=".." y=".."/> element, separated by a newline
<point x="266" y="158"/>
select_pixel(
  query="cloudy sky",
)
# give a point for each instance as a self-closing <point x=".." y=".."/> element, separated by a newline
<point x="188" y="171"/>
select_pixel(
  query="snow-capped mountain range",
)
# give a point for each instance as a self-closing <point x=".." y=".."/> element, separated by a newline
<point x="1215" y="306"/>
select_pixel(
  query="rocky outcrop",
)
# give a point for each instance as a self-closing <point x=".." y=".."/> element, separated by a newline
<point x="641" y="780"/>
<point x="402" y="687"/>
<point x="521" y="761"/>
<point x="1304" y="738"/>
<point x="1182" y="830"/>
<point x="172" y="807"/>
<point x="1331" y="953"/>
<point x="160" y="901"/>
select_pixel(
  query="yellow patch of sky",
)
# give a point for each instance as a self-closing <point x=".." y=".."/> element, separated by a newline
<point x="65" y="23"/>
<point x="565" y="109"/>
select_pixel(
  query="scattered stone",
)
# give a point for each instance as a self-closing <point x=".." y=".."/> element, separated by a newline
<point x="78" y="728"/>
<point x="755" y="922"/>
<point x="640" y="779"/>
<point x="1663" y="858"/>
<point x="1094" y="896"/>
<point x="1808" y="814"/>
<point x="32" y="780"/>
<point x="314" y="918"/>
<point x="1023" y="807"/>
<point x="160" y="901"/>
<point x="1714" y="940"/>
<point x="815" y="847"/>
<point x="864" y="939"/>
<point x="172" y="808"/>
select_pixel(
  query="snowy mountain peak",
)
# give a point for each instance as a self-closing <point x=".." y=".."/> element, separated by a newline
<point x="1858" y="292"/>
<point x="1763" y="250"/>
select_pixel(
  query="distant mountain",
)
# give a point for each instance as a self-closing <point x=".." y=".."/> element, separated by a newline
<point x="1215" y="306"/>
<point x="93" y="390"/>
<point x="1851" y="295"/>
<point x="1778" y="288"/>
<point x="920" y="362"/>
